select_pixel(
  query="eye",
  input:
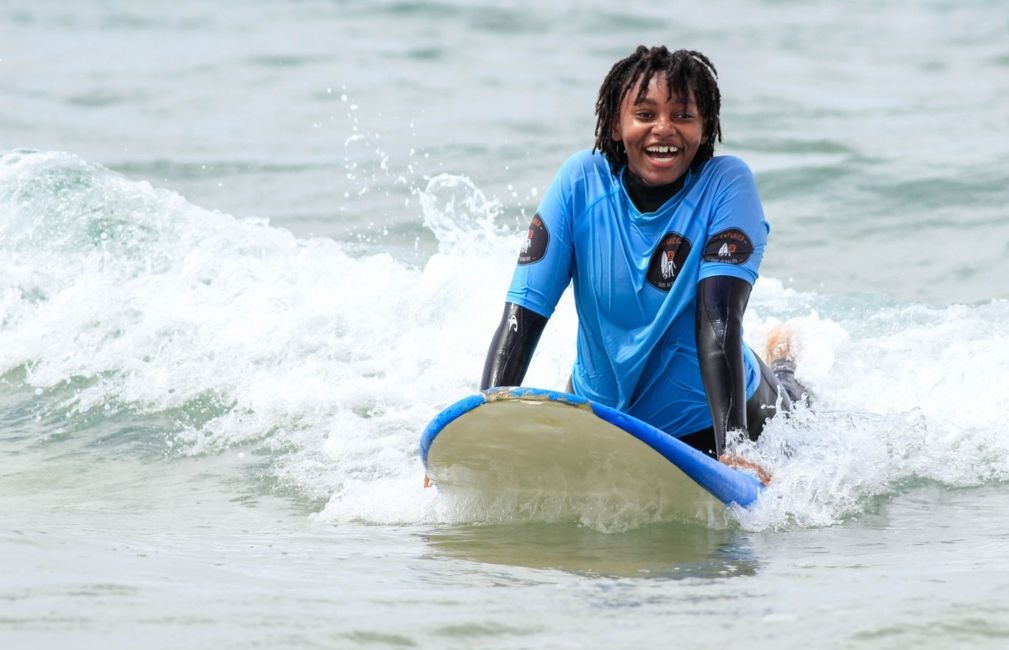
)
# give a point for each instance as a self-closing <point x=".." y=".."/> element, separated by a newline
<point x="644" y="115"/>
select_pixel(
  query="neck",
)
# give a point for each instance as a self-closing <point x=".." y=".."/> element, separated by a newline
<point x="649" y="198"/>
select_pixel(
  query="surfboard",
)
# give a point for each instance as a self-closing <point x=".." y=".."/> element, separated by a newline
<point x="524" y="443"/>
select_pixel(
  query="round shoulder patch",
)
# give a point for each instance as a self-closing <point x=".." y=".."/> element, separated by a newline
<point x="667" y="260"/>
<point x="729" y="246"/>
<point x="535" y="246"/>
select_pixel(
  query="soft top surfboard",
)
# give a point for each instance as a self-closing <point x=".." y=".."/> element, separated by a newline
<point x="518" y="443"/>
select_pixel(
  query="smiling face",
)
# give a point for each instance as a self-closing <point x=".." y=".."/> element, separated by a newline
<point x="661" y="134"/>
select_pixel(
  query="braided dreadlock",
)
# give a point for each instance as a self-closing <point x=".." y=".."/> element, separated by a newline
<point x="684" y="70"/>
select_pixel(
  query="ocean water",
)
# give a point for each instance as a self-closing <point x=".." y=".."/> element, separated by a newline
<point x="248" y="250"/>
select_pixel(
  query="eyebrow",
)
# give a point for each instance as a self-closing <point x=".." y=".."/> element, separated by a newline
<point x="675" y="100"/>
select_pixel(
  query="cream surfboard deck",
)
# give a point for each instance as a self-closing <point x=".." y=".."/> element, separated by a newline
<point x="524" y="443"/>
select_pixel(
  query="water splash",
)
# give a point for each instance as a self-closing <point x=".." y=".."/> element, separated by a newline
<point x="460" y="215"/>
<point x="123" y="302"/>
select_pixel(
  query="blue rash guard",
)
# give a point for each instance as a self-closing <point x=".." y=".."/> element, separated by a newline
<point x="635" y="280"/>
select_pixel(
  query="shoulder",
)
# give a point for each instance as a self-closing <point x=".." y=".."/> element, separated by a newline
<point x="585" y="175"/>
<point x="587" y="164"/>
<point x="726" y="176"/>
<point x="726" y="167"/>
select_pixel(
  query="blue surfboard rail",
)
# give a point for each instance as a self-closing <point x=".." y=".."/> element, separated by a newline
<point x="728" y="485"/>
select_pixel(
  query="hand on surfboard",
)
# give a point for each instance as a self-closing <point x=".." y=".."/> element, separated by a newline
<point x="738" y="462"/>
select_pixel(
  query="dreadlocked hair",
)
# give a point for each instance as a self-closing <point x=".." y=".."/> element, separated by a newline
<point x="684" y="70"/>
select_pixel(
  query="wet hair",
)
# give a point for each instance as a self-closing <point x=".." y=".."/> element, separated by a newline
<point x="684" y="70"/>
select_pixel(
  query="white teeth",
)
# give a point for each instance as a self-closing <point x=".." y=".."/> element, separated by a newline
<point x="661" y="149"/>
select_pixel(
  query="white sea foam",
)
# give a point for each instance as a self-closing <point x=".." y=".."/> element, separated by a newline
<point x="336" y="362"/>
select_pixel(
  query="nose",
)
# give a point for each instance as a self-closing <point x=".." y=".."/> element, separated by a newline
<point x="663" y="125"/>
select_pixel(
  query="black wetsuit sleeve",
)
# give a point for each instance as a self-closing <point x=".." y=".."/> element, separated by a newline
<point x="721" y="301"/>
<point x="512" y="347"/>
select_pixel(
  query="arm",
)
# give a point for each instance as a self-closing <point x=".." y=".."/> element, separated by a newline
<point x="512" y="347"/>
<point x="542" y="271"/>
<point x="721" y="301"/>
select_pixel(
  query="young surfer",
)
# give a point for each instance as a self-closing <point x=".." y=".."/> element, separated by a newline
<point x="662" y="241"/>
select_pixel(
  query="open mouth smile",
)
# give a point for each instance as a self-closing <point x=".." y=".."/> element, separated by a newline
<point x="661" y="152"/>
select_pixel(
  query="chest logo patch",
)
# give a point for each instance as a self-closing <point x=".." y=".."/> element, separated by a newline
<point x="729" y="246"/>
<point x="667" y="260"/>
<point x="535" y="245"/>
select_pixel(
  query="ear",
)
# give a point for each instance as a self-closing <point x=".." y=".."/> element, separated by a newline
<point x="616" y="133"/>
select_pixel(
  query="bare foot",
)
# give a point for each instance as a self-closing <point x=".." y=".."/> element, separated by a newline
<point x="737" y="462"/>
<point x="778" y="345"/>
